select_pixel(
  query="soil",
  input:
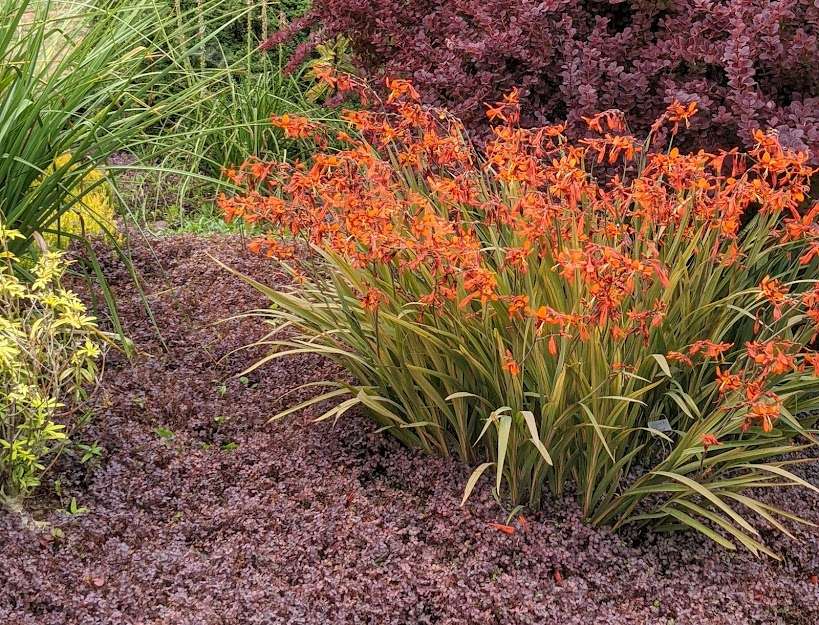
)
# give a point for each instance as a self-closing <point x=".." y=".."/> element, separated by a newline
<point x="202" y="512"/>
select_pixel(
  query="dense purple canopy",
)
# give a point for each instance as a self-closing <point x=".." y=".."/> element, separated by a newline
<point x="748" y="63"/>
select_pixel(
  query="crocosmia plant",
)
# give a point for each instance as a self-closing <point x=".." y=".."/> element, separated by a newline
<point x="634" y="327"/>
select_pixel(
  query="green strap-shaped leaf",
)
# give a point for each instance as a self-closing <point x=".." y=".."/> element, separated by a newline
<point x="530" y="423"/>
<point x="700" y="527"/>
<point x="663" y="363"/>
<point x="705" y="492"/>
<point x="473" y="479"/>
<point x="598" y="430"/>
<point x="504" y="426"/>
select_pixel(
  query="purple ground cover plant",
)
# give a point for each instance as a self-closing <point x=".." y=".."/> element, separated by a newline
<point x="310" y="523"/>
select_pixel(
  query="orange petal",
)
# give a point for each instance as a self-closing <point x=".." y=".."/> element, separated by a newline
<point x="506" y="529"/>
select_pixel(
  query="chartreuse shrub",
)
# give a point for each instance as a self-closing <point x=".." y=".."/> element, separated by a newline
<point x="94" y="215"/>
<point x="575" y="317"/>
<point x="49" y="353"/>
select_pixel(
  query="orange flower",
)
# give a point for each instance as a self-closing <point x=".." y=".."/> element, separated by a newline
<point x="508" y="110"/>
<point x="772" y="356"/>
<point x="400" y="89"/>
<point x="517" y="258"/>
<point x="372" y="299"/>
<point x="709" y="349"/>
<point x="613" y="121"/>
<point x="518" y="304"/>
<point x="678" y="112"/>
<point x="775" y="293"/>
<point x="709" y="440"/>
<point x="593" y="123"/>
<point x="812" y="359"/>
<point x="271" y="248"/>
<point x="800" y="226"/>
<point x="811" y="298"/>
<point x="236" y="177"/>
<point x="727" y="381"/>
<point x="503" y="528"/>
<point x="510" y="364"/>
<point x="679" y="357"/>
<point x="571" y="261"/>
<point x="496" y="112"/>
<point x="546" y="315"/>
<point x="326" y="73"/>
<point x="732" y="256"/>
<point x="810" y="254"/>
<point x="480" y="284"/>
<point x="765" y="411"/>
<point x="294" y="126"/>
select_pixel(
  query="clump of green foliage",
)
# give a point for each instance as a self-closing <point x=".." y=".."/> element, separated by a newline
<point x="246" y="24"/>
<point x="80" y="84"/>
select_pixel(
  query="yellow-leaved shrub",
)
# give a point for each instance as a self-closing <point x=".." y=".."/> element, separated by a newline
<point x="92" y="215"/>
<point x="49" y="352"/>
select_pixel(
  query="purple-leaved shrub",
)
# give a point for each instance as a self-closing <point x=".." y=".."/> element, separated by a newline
<point x="747" y="63"/>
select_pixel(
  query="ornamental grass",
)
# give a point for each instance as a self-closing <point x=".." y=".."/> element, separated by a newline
<point x="589" y="317"/>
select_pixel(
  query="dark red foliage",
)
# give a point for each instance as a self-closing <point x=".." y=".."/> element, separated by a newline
<point x="317" y="524"/>
<point x="748" y="63"/>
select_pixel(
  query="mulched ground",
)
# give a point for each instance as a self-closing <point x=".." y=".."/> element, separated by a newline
<point x="203" y="513"/>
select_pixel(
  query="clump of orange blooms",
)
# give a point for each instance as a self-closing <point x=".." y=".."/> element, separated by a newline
<point x="607" y="237"/>
<point x="567" y="252"/>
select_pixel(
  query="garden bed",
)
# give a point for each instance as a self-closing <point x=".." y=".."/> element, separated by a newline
<point x="200" y="512"/>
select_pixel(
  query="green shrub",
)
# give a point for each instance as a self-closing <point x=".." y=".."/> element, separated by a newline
<point x="641" y="339"/>
<point x="88" y="81"/>
<point x="79" y="82"/>
<point x="236" y="123"/>
<point x="247" y="23"/>
<point x="230" y="124"/>
<point x="227" y="120"/>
